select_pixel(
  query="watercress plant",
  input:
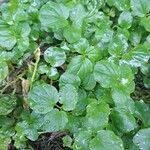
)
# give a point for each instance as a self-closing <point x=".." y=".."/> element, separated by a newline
<point x="75" y="66"/>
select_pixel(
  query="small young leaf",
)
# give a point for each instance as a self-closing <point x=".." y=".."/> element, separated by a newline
<point x="125" y="20"/>
<point x="55" y="56"/>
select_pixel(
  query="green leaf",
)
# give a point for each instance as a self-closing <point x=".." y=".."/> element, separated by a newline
<point x="5" y="57"/>
<point x="146" y="23"/>
<point x="77" y="14"/>
<point x="109" y="74"/>
<point x="67" y="78"/>
<point x="4" y="141"/>
<point x="146" y="81"/>
<point x="82" y="103"/>
<point x="67" y="141"/>
<point x="145" y="69"/>
<point x="55" y="56"/>
<point x="54" y="15"/>
<point x="89" y="82"/>
<point x="105" y="73"/>
<point x="122" y="99"/>
<point x="103" y="94"/>
<point x="142" y="139"/>
<point x="82" y="139"/>
<point x="140" y="7"/>
<point x="97" y="112"/>
<point x="118" y="45"/>
<point x="81" y="46"/>
<point x="20" y="15"/>
<point x="93" y="53"/>
<point x="52" y="73"/>
<point x="7" y="104"/>
<point x="136" y="57"/>
<point x="3" y="71"/>
<point x="72" y="33"/>
<point x="23" y="128"/>
<point x="7" y="38"/>
<point x="54" y="121"/>
<point x="123" y="120"/>
<point x="29" y="126"/>
<point x="135" y="37"/>
<point x="121" y="5"/>
<point x="68" y="97"/>
<point x="142" y="111"/>
<point x="125" y="20"/>
<point x="43" y="97"/>
<point x="106" y="140"/>
<point x="81" y="66"/>
<point x="74" y="123"/>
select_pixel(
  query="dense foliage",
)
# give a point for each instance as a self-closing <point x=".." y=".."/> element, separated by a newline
<point x="72" y="66"/>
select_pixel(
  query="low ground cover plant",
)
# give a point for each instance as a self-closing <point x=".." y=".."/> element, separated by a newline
<point x="75" y="74"/>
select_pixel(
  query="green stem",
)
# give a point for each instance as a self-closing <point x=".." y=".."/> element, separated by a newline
<point x="37" y="57"/>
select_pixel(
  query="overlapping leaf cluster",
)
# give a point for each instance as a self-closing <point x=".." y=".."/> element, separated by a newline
<point x="84" y="80"/>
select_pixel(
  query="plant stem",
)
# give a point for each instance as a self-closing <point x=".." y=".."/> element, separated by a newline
<point x="37" y="57"/>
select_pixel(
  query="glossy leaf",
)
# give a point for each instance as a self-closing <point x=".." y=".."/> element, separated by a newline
<point x="125" y="20"/>
<point x="68" y="97"/>
<point x="72" y="33"/>
<point x="44" y="94"/>
<point x="123" y="120"/>
<point x="105" y="140"/>
<point x="98" y="113"/>
<point x="137" y="56"/>
<point x="81" y="66"/>
<point x="68" y="78"/>
<point x="7" y="39"/>
<point x="55" y="120"/>
<point x="140" y="7"/>
<point x="7" y="104"/>
<point x="54" y="15"/>
<point x="55" y="56"/>
<point x="142" y="138"/>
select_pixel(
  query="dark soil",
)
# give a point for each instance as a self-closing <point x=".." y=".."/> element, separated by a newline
<point x="46" y="141"/>
<point x="141" y="92"/>
<point x="49" y="141"/>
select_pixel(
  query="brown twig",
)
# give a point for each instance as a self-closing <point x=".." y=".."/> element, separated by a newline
<point x="25" y="64"/>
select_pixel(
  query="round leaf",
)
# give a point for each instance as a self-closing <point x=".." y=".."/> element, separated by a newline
<point x="54" y="15"/>
<point x="42" y="98"/>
